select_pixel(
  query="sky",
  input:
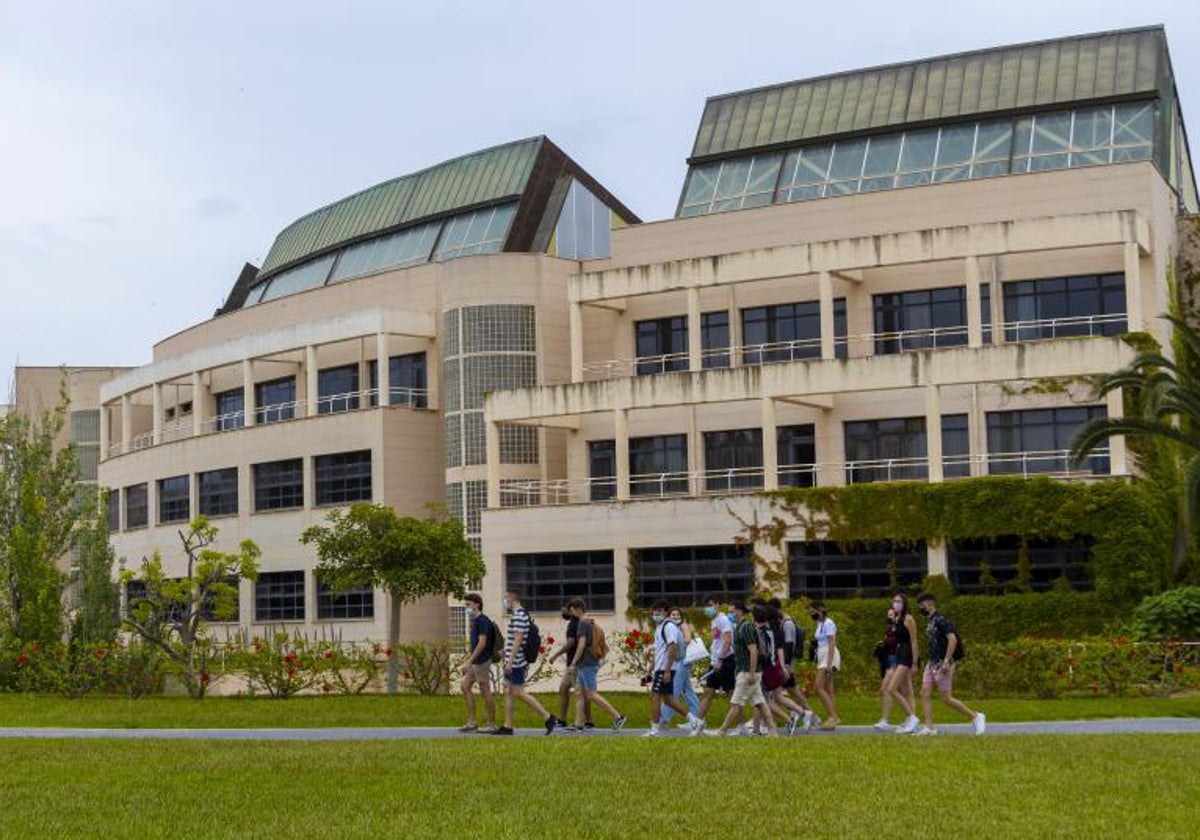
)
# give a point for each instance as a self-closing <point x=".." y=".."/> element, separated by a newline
<point x="149" y="149"/>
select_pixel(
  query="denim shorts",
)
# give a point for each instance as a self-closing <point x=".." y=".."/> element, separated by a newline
<point x="516" y="676"/>
<point x="587" y="677"/>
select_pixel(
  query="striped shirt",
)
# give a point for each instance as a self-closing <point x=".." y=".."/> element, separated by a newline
<point x="518" y="622"/>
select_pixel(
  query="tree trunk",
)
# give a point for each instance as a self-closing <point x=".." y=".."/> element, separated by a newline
<point x="393" y="641"/>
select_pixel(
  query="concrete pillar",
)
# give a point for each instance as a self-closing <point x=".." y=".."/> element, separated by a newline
<point x="770" y="448"/>
<point x="493" y="463"/>
<point x="735" y="329"/>
<point x="695" y="463"/>
<point x="364" y="379"/>
<point x="1117" y="458"/>
<point x="977" y="434"/>
<point x="576" y="329"/>
<point x="695" y="353"/>
<point x="622" y="583"/>
<point x="830" y="446"/>
<point x="157" y="420"/>
<point x="1133" y="287"/>
<point x="383" y="378"/>
<point x="199" y="404"/>
<point x="311" y="389"/>
<point x="104" y="432"/>
<point x="126" y="422"/>
<point x="936" y="554"/>
<point x="621" y="451"/>
<point x="248" y="392"/>
<point x="996" y="293"/>
<point x="974" y="313"/>
<point x="933" y="432"/>
<point x="828" y="339"/>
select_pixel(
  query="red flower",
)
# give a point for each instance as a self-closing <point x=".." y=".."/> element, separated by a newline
<point x="1061" y="673"/>
<point x="205" y="679"/>
<point x="542" y="649"/>
<point x="329" y="654"/>
<point x="22" y="659"/>
<point x="290" y="658"/>
<point x="406" y="675"/>
<point x="326" y="687"/>
<point x="387" y="652"/>
<point x="36" y="647"/>
<point x="1014" y="656"/>
<point x="550" y="639"/>
<point x="99" y="654"/>
<point x="291" y="672"/>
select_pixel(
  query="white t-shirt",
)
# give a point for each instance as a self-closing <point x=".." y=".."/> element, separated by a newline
<point x="826" y="630"/>
<point x="720" y="626"/>
<point x="664" y="635"/>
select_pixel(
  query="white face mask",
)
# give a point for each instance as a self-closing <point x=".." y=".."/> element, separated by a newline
<point x="470" y="612"/>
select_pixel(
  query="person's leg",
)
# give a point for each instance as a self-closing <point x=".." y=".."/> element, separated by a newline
<point x="885" y="695"/>
<point x="956" y="704"/>
<point x="767" y="720"/>
<point x="825" y="692"/>
<point x="509" y="705"/>
<point x="587" y="707"/>
<point x="732" y="718"/>
<point x="532" y="702"/>
<point x="927" y="697"/>
<point x="899" y="688"/>
<point x="687" y="692"/>
<point x="600" y="700"/>
<point x="489" y="700"/>
<point x="787" y="703"/>
<point x="564" y="695"/>
<point x="706" y="701"/>
<point x="468" y="681"/>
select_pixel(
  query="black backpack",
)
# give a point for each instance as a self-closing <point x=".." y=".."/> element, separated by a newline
<point x="493" y="636"/>
<point x="533" y="643"/>
<point x="960" y="650"/>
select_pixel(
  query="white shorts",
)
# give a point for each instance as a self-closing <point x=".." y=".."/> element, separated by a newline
<point x="823" y="657"/>
<point x="747" y="690"/>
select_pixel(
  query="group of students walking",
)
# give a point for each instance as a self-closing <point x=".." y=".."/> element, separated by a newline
<point x="751" y="658"/>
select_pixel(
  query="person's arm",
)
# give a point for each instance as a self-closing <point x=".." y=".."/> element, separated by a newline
<point x="753" y="650"/>
<point x="951" y="644"/>
<point x="830" y="650"/>
<point x="518" y="642"/>
<point x="475" y="653"/>
<point x="726" y="645"/>
<point x="672" y="656"/>
<point x="910" y="624"/>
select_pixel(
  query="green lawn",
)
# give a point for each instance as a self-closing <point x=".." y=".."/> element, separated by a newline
<point x="411" y="710"/>
<point x="1014" y="786"/>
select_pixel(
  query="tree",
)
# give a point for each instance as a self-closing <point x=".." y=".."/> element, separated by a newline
<point x="97" y="613"/>
<point x="408" y="557"/>
<point x="39" y="515"/>
<point x="171" y="613"/>
<point x="1167" y="395"/>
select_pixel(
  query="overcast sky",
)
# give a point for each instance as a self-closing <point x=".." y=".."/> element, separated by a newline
<point x="149" y="149"/>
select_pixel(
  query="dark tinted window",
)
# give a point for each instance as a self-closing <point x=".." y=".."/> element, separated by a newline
<point x="658" y="465"/>
<point x="407" y="380"/>
<point x="137" y="510"/>
<point x="113" y="503"/>
<point x="825" y="569"/>
<point x="1049" y="560"/>
<point x="1036" y="440"/>
<point x="733" y="459"/>
<point x="337" y="389"/>
<point x="174" y="502"/>
<point x="662" y="345"/>
<point x="686" y="575"/>
<point x="602" y="469"/>
<point x="275" y="400"/>
<point x="548" y="580"/>
<point x="714" y="339"/>
<point x="279" y="485"/>
<point x="279" y="596"/>
<point x="218" y="492"/>
<point x="796" y="451"/>
<point x="891" y="449"/>
<point x="351" y="603"/>
<point x="787" y="332"/>
<point x="920" y="319"/>
<point x="231" y="410"/>
<point x="343" y="477"/>
<point x="1057" y="307"/>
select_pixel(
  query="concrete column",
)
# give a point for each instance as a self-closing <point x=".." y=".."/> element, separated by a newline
<point x="383" y="378"/>
<point x="1117" y="459"/>
<point x="830" y="445"/>
<point x="695" y="463"/>
<point x="248" y="392"/>
<point x="104" y="432"/>
<point x="157" y="419"/>
<point x="974" y="313"/>
<point x="493" y="463"/>
<point x="621" y="451"/>
<point x="695" y="353"/>
<point x="621" y="579"/>
<point x="364" y="380"/>
<point x="735" y="329"/>
<point x="828" y="339"/>
<point x="575" y="327"/>
<point x="996" y="293"/>
<point x="311" y="389"/>
<point x="933" y="432"/>
<point x="126" y="422"/>
<point x="1133" y="287"/>
<point x="936" y="554"/>
<point x="977" y="434"/>
<point x="199" y="404"/>
<point x="770" y="448"/>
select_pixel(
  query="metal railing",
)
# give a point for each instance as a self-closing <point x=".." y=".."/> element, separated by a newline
<point x="1072" y="327"/>
<point x="724" y="482"/>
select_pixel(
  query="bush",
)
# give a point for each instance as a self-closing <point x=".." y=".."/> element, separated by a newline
<point x="278" y="665"/>
<point x="116" y="668"/>
<point x="1174" y="614"/>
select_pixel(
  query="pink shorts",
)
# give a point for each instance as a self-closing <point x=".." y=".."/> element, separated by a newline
<point x="943" y="679"/>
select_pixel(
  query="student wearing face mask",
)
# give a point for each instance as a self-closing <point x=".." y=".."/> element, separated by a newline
<point x="722" y="672"/>
<point x="829" y="660"/>
<point x="516" y="667"/>
<point x="899" y="686"/>
<point x="747" y="690"/>
<point x="684" y="692"/>
<point x="941" y="637"/>
<point x="477" y="664"/>
<point x="668" y="655"/>
<point x="570" y="677"/>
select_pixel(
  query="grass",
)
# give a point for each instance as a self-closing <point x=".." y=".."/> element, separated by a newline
<point x="412" y="710"/>
<point x="1052" y="786"/>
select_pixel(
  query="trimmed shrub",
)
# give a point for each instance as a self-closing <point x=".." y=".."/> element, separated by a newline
<point x="1174" y="614"/>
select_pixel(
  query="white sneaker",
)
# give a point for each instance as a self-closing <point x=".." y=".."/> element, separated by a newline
<point x="909" y="726"/>
<point x="882" y="725"/>
<point x="698" y="729"/>
<point x="924" y="732"/>
<point x="980" y="723"/>
<point x="653" y="733"/>
<point x="694" y="723"/>
<point x="746" y="729"/>
<point x="810" y="720"/>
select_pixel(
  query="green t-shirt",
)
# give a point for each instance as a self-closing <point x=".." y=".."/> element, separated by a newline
<point x="744" y="636"/>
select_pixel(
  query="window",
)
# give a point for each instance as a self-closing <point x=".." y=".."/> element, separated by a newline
<point x="584" y="226"/>
<point x="786" y="332"/>
<point x="337" y="389"/>
<point x="956" y="446"/>
<point x="1085" y="137"/>
<point x="548" y="580"/>
<point x="686" y="575"/>
<point x="209" y="606"/>
<point x="662" y="345"/>
<point x="279" y="485"/>
<point x="1064" y="306"/>
<point x="825" y="569"/>
<point x="919" y="320"/>
<point x="343" y="478"/>
<point x="218" y="492"/>
<point x="406" y="379"/>
<point x="796" y="450"/>
<point x="731" y="185"/>
<point x="135" y="593"/>
<point x="478" y="232"/>
<point x="733" y="459"/>
<point x="885" y="450"/>
<point x="714" y="340"/>
<point x="658" y="465"/>
<point x="137" y="506"/>
<point x="396" y="250"/>
<point x="279" y="596"/>
<point x="231" y="410"/>
<point x="275" y="400"/>
<point x="358" y="602"/>
<point x="113" y="512"/>
<point x="1036" y="440"/>
<point x="303" y="277"/>
<point x="602" y="469"/>
<point x="174" y="502"/>
<point x="1049" y="561"/>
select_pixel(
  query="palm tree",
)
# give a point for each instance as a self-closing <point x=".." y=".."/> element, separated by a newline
<point x="1169" y="392"/>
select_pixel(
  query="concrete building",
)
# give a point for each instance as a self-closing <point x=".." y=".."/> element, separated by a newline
<point x="865" y="275"/>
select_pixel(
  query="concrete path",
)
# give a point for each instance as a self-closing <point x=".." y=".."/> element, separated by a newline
<point x="1117" y="726"/>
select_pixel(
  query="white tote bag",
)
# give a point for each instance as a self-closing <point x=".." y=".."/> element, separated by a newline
<point x="696" y="651"/>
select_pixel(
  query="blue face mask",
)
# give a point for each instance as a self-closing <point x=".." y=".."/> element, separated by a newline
<point x="470" y="612"/>
<point x="711" y="612"/>
<point x="658" y="618"/>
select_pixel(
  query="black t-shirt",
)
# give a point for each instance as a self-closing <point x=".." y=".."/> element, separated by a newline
<point x="938" y="632"/>
<point x="572" y="639"/>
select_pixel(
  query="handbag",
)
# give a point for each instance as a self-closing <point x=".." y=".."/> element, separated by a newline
<point x="696" y="651"/>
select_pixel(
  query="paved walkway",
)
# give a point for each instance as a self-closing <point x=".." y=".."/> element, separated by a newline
<point x="1117" y="726"/>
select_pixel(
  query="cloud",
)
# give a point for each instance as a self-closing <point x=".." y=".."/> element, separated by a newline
<point x="216" y="207"/>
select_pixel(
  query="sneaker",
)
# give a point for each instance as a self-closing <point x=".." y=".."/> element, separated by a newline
<point x="882" y="725"/>
<point x="829" y="724"/>
<point x="618" y="724"/>
<point x="699" y="730"/>
<point x="553" y="723"/>
<point x="791" y="724"/>
<point x="486" y="730"/>
<point x="653" y="733"/>
<point x="717" y="733"/>
<point x="694" y="723"/>
<point x="745" y="729"/>
<point x="588" y="725"/>
<point x="810" y="720"/>
<point x="470" y="727"/>
<point x="559" y="723"/>
<point x="980" y="723"/>
<point x="924" y="732"/>
<point x="909" y="726"/>
<point x="502" y="730"/>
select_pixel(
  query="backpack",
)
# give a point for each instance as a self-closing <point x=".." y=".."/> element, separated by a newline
<point x="766" y="646"/>
<point x="494" y="641"/>
<point x="598" y="643"/>
<point x="960" y="650"/>
<point x="533" y="643"/>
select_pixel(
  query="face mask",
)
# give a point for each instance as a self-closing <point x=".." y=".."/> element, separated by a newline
<point x="508" y="608"/>
<point x="897" y="607"/>
<point x="566" y="616"/>
<point x="658" y="618"/>
<point x="711" y="612"/>
<point x="470" y="612"/>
